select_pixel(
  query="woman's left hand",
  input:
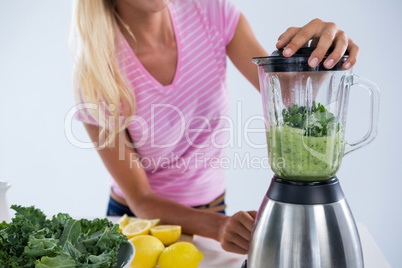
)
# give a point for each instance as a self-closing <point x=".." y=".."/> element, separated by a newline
<point x="323" y="35"/>
<point x="235" y="233"/>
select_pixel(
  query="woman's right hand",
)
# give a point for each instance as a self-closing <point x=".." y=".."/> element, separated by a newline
<point x="323" y="35"/>
<point x="236" y="232"/>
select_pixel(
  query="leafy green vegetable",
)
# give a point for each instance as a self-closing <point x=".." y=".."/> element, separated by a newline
<point x="62" y="260"/>
<point x="31" y="240"/>
<point x="317" y="122"/>
<point x="41" y="246"/>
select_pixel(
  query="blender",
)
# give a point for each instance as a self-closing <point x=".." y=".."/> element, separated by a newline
<point x="304" y="220"/>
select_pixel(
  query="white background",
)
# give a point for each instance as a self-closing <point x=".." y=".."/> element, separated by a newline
<point x="47" y="171"/>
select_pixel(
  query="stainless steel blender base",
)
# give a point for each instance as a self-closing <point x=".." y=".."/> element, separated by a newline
<point x="288" y="235"/>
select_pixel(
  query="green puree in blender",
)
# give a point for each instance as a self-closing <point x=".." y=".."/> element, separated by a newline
<point x="307" y="146"/>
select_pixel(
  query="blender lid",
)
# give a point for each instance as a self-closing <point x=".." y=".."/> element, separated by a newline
<point x="276" y="62"/>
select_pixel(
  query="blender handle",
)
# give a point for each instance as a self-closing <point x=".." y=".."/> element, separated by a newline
<point x="374" y="92"/>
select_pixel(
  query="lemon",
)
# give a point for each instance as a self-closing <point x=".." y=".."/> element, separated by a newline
<point x="140" y="227"/>
<point x="147" y="251"/>
<point x="122" y="222"/>
<point x="180" y="255"/>
<point x="133" y="219"/>
<point x="155" y="222"/>
<point x="167" y="234"/>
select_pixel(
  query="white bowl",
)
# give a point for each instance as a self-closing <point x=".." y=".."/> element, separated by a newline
<point x="125" y="255"/>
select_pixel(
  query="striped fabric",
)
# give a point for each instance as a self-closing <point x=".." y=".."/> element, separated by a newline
<point x="179" y="129"/>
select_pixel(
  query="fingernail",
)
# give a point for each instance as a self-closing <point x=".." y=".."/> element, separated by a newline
<point x="287" y="51"/>
<point x="314" y="62"/>
<point x="329" y="63"/>
<point x="347" y="65"/>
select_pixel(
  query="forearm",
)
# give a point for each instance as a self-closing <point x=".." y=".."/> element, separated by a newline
<point x="193" y="221"/>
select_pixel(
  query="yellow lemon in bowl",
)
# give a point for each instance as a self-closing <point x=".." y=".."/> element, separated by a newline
<point x="167" y="234"/>
<point x="140" y="227"/>
<point x="180" y="255"/>
<point x="147" y="251"/>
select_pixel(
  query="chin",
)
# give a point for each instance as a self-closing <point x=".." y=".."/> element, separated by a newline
<point x="152" y="6"/>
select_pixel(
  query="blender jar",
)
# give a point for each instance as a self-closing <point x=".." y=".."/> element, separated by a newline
<point x="305" y="113"/>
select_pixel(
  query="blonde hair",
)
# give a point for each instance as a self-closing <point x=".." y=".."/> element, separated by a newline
<point x="98" y="76"/>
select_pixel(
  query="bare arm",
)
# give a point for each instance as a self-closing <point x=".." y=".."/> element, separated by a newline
<point x="233" y="232"/>
<point x="242" y="48"/>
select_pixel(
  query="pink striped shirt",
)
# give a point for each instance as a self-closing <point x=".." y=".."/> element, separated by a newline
<point x="179" y="130"/>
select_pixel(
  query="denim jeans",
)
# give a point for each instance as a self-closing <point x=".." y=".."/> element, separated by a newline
<point x="116" y="209"/>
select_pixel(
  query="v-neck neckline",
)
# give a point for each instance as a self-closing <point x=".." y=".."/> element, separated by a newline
<point x="166" y="89"/>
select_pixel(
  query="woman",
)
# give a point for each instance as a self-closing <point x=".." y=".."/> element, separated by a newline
<point x="162" y="63"/>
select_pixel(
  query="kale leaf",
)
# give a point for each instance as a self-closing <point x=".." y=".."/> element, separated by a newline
<point x="316" y="122"/>
<point x="30" y="240"/>
<point x="62" y="260"/>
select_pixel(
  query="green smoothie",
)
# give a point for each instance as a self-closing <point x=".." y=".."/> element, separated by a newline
<point x="298" y="153"/>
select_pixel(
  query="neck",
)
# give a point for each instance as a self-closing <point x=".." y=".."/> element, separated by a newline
<point x="151" y="30"/>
